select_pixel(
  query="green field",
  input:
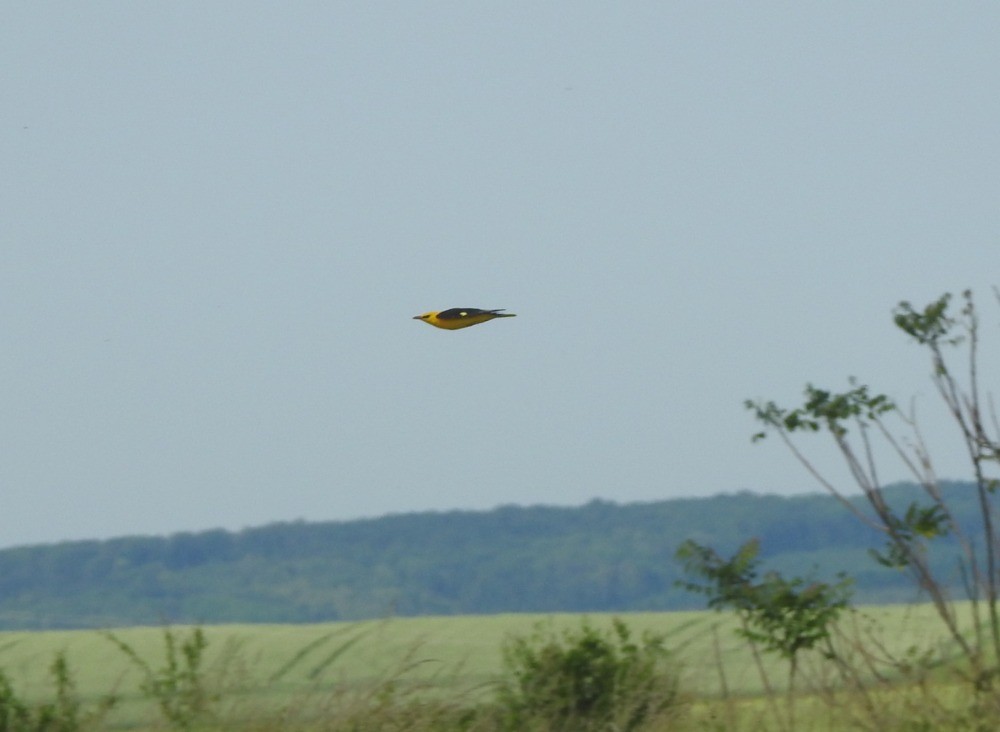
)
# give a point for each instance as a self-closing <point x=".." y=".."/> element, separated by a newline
<point x="272" y="665"/>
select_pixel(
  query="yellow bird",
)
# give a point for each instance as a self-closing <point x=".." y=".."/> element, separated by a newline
<point x="456" y="318"/>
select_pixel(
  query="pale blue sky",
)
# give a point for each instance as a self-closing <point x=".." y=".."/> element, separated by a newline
<point x="218" y="219"/>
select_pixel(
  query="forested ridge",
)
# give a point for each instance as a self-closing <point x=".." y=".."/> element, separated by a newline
<point x="602" y="556"/>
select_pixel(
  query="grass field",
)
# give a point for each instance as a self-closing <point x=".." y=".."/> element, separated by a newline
<point x="458" y="656"/>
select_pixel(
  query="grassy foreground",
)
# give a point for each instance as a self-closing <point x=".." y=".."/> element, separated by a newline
<point x="271" y="666"/>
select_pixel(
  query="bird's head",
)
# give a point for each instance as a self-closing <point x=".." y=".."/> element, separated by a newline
<point x="425" y="316"/>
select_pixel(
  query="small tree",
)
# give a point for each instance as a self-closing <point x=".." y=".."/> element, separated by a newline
<point x="856" y="418"/>
<point x="784" y="616"/>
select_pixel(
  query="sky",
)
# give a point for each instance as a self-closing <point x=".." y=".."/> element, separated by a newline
<point x="217" y="221"/>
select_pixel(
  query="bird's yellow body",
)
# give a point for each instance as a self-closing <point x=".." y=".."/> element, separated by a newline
<point x="456" y="318"/>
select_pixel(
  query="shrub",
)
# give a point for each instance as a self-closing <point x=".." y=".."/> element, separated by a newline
<point x="179" y="687"/>
<point x="63" y="714"/>
<point x="585" y="680"/>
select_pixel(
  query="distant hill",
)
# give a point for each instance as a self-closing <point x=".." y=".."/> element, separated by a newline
<point x="598" y="557"/>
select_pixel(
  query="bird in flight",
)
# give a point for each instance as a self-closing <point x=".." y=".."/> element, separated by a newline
<point x="456" y="318"/>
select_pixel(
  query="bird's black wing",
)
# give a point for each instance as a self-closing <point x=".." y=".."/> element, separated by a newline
<point x="459" y="313"/>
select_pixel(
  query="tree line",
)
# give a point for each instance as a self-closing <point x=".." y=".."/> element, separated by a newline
<point x="602" y="556"/>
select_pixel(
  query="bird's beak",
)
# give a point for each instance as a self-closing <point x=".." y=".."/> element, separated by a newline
<point x="418" y="317"/>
